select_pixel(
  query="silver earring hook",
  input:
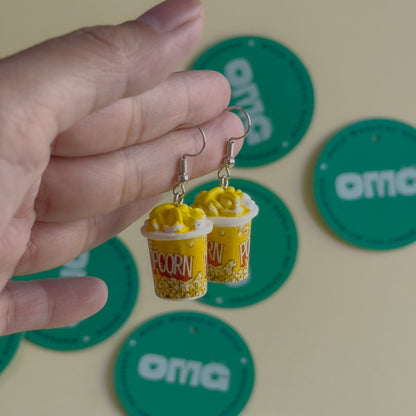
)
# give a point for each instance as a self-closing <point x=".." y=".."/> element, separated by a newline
<point x="246" y="116"/>
<point x="224" y="173"/>
<point x="183" y="177"/>
<point x="204" y="139"/>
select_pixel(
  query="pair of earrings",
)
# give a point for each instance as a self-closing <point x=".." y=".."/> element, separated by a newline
<point x="209" y="240"/>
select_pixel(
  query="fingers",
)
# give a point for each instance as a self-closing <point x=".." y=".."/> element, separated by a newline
<point x="185" y="97"/>
<point x="69" y="77"/>
<point x="75" y="188"/>
<point x="54" y="244"/>
<point x="48" y="88"/>
<point x="51" y="303"/>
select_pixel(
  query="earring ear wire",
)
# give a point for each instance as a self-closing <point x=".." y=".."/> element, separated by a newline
<point x="248" y="121"/>
<point x="224" y="173"/>
<point x="183" y="177"/>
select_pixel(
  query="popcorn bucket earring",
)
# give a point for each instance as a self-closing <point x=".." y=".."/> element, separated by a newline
<point x="177" y="240"/>
<point x="231" y="212"/>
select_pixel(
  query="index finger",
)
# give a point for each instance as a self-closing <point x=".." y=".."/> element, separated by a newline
<point x="185" y="97"/>
<point x="69" y="77"/>
<point x="47" y="88"/>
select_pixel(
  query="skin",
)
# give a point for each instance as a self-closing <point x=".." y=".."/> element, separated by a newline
<point x="89" y="142"/>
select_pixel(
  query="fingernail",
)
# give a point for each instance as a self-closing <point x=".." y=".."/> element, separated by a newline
<point x="171" y="14"/>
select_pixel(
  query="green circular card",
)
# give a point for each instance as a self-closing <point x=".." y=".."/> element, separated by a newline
<point x="112" y="263"/>
<point x="273" y="86"/>
<point x="365" y="184"/>
<point x="184" y="364"/>
<point x="8" y="347"/>
<point x="273" y="249"/>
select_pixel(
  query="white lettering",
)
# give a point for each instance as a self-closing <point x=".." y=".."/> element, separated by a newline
<point x="211" y="376"/>
<point x="216" y="376"/>
<point x="183" y="368"/>
<point x="249" y="98"/>
<point x="238" y="72"/>
<point x="405" y="181"/>
<point x="152" y="366"/>
<point x="261" y="129"/>
<point x="246" y="93"/>
<point x="76" y="267"/>
<point x="349" y="186"/>
<point x="376" y="184"/>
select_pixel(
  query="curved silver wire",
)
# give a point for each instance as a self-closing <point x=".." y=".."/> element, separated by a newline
<point x="179" y="188"/>
<point x="224" y="172"/>
<point x="204" y="138"/>
<point x="246" y="116"/>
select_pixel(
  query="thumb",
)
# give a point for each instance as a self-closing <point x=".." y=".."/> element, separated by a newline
<point x="49" y="303"/>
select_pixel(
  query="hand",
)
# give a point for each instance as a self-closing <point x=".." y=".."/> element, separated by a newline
<point x="88" y="144"/>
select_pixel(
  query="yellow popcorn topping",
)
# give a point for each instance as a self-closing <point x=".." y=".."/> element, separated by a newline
<point x="220" y="202"/>
<point x="171" y="218"/>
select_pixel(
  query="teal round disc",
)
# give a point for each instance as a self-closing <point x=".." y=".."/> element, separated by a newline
<point x="8" y="347"/>
<point x="273" y="249"/>
<point x="184" y="364"/>
<point x="112" y="263"/>
<point x="271" y="83"/>
<point x="365" y="184"/>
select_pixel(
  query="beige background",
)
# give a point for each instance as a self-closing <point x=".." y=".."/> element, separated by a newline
<point x="338" y="338"/>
